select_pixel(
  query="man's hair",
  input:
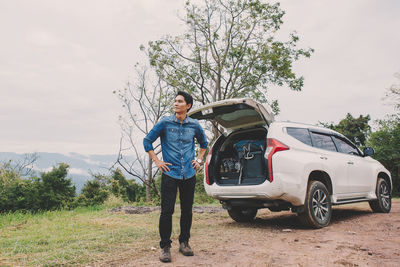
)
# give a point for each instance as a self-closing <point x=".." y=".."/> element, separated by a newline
<point x="188" y="98"/>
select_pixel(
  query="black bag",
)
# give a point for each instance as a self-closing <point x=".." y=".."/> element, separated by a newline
<point x="251" y="158"/>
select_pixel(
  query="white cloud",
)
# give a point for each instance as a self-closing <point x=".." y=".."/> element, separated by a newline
<point x="35" y="168"/>
<point x="77" y="171"/>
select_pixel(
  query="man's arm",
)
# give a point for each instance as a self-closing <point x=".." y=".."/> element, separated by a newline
<point x="148" y="146"/>
<point x="202" y="151"/>
<point x="163" y="166"/>
<point x="197" y="162"/>
<point x="202" y="139"/>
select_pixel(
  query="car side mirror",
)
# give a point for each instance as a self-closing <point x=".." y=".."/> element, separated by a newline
<point x="368" y="151"/>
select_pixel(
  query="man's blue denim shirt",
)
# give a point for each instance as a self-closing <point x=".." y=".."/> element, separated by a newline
<point x="177" y="144"/>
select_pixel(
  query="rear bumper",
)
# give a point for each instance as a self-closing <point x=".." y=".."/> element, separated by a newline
<point x="267" y="191"/>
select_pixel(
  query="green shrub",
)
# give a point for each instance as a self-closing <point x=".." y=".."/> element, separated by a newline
<point x="55" y="189"/>
<point x="52" y="191"/>
<point x="92" y="194"/>
<point x="386" y="142"/>
<point x="135" y="192"/>
<point x="102" y="186"/>
<point x="20" y="194"/>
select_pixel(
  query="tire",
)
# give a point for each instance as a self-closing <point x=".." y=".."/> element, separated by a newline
<point x="383" y="203"/>
<point x="240" y="214"/>
<point x="317" y="207"/>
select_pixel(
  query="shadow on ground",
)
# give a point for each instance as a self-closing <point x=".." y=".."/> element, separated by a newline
<point x="288" y="220"/>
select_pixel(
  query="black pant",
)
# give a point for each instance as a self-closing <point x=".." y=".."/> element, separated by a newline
<point x="169" y="187"/>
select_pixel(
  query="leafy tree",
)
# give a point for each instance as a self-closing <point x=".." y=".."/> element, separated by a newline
<point x="230" y="49"/>
<point x="115" y="188"/>
<point x="135" y="192"/>
<point x="93" y="194"/>
<point x="52" y="190"/>
<point x="17" y="193"/>
<point x="103" y="179"/>
<point x="7" y="173"/>
<point x="356" y="129"/>
<point x="120" y="178"/>
<point x="24" y="195"/>
<point x="386" y="143"/>
<point x="56" y="190"/>
<point x="115" y="183"/>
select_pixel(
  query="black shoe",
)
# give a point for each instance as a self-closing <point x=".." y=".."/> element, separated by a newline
<point x="185" y="249"/>
<point x="165" y="255"/>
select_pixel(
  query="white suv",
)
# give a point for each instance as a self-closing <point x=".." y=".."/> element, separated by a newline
<point x="259" y="163"/>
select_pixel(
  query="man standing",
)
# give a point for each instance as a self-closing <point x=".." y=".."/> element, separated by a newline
<point x="177" y="133"/>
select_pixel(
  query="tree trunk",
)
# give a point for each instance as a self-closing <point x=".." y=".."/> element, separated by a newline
<point x="148" y="180"/>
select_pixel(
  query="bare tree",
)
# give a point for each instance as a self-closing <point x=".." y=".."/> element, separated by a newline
<point x="24" y="166"/>
<point x="145" y="101"/>
<point x="393" y="93"/>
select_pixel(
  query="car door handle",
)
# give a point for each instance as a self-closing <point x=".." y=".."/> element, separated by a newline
<point x="322" y="157"/>
<point x="350" y="162"/>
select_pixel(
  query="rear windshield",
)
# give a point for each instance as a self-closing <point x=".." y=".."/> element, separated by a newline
<point x="238" y="114"/>
<point x="245" y="114"/>
<point x="301" y="134"/>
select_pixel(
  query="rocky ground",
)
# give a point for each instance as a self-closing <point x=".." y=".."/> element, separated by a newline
<point x="355" y="237"/>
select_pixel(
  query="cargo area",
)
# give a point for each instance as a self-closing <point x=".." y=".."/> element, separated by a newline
<point x="239" y="159"/>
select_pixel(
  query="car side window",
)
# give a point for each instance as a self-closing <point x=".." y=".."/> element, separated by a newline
<point x="345" y="147"/>
<point x="323" y="141"/>
<point x="301" y="134"/>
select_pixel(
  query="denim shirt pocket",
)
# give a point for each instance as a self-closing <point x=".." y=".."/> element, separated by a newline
<point x="188" y="135"/>
<point x="172" y="134"/>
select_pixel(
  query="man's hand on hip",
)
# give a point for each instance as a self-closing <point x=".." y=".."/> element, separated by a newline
<point x="163" y="166"/>
<point x="196" y="164"/>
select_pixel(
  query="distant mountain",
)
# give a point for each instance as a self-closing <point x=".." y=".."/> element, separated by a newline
<point x="80" y="165"/>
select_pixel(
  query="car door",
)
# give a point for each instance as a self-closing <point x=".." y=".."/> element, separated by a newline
<point x="360" y="172"/>
<point x="333" y="162"/>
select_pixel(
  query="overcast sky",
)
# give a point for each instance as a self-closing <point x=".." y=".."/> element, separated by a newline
<point x="60" y="61"/>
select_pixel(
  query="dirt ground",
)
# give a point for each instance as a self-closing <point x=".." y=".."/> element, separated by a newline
<point x="355" y="237"/>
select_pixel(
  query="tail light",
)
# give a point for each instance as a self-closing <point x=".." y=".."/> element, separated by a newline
<point x="273" y="146"/>
<point x="208" y="158"/>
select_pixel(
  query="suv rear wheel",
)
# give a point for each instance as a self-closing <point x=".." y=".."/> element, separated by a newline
<point x="240" y="214"/>
<point x="318" y="206"/>
<point x="383" y="203"/>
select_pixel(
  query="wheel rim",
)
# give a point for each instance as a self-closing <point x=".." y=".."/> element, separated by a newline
<point x="320" y="205"/>
<point x="384" y="195"/>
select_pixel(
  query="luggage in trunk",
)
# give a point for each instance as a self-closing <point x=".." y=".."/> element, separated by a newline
<point x="251" y="159"/>
<point x="241" y="161"/>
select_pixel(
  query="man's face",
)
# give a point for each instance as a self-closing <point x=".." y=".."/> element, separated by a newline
<point x="180" y="105"/>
